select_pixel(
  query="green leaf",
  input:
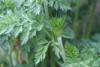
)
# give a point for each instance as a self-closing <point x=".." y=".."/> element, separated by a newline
<point x="61" y="4"/>
<point x="51" y="3"/>
<point x="10" y="28"/>
<point x="57" y="26"/>
<point x="32" y="33"/>
<point x="75" y="62"/>
<point x="56" y="49"/>
<point x="40" y="54"/>
<point x="37" y="9"/>
<point x="17" y="31"/>
<point x="68" y="33"/>
<point x="56" y="5"/>
<point x="18" y="3"/>
<point x="3" y="30"/>
<point x="39" y="28"/>
<point x="41" y="50"/>
<point x="42" y="42"/>
<point x="25" y="36"/>
<point x="71" y="51"/>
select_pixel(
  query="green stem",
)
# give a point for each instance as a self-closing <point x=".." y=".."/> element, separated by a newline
<point x="47" y="33"/>
<point x="10" y="59"/>
<point x="46" y="11"/>
<point x="76" y="18"/>
<point x="43" y="64"/>
<point x="9" y="55"/>
<point x="84" y="26"/>
<point x="47" y="18"/>
<point x="62" y="52"/>
<point x="45" y="61"/>
<point x="52" y="59"/>
<point x="91" y="19"/>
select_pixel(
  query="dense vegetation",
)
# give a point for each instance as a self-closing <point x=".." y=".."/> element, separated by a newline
<point x="49" y="33"/>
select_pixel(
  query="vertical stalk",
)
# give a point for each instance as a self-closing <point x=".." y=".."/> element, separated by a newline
<point x="38" y="65"/>
<point x="43" y="64"/>
<point x="9" y="57"/>
<point x="10" y="60"/>
<point x="46" y="11"/>
<point x="76" y="18"/>
<point x="62" y="52"/>
<point x="45" y="61"/>
<point x="84" y="26"/>
<point x="52" y="59"/>
<point x="92" y="13"/>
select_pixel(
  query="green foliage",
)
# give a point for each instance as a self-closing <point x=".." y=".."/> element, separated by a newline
<point x="25" y="20"/>
<point x="71" y="51"/>
<point x="59" y="4"/>
<point x="89" y="56"/>
<point x="56" y="49"/>
<point x="15" y="26"/>
<point x="29" y="35"/>
<point x="68" y="33"/>
<point x="85" y="59"/>
<point x="40" y="51"/>
<point x="57" y="26"/>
